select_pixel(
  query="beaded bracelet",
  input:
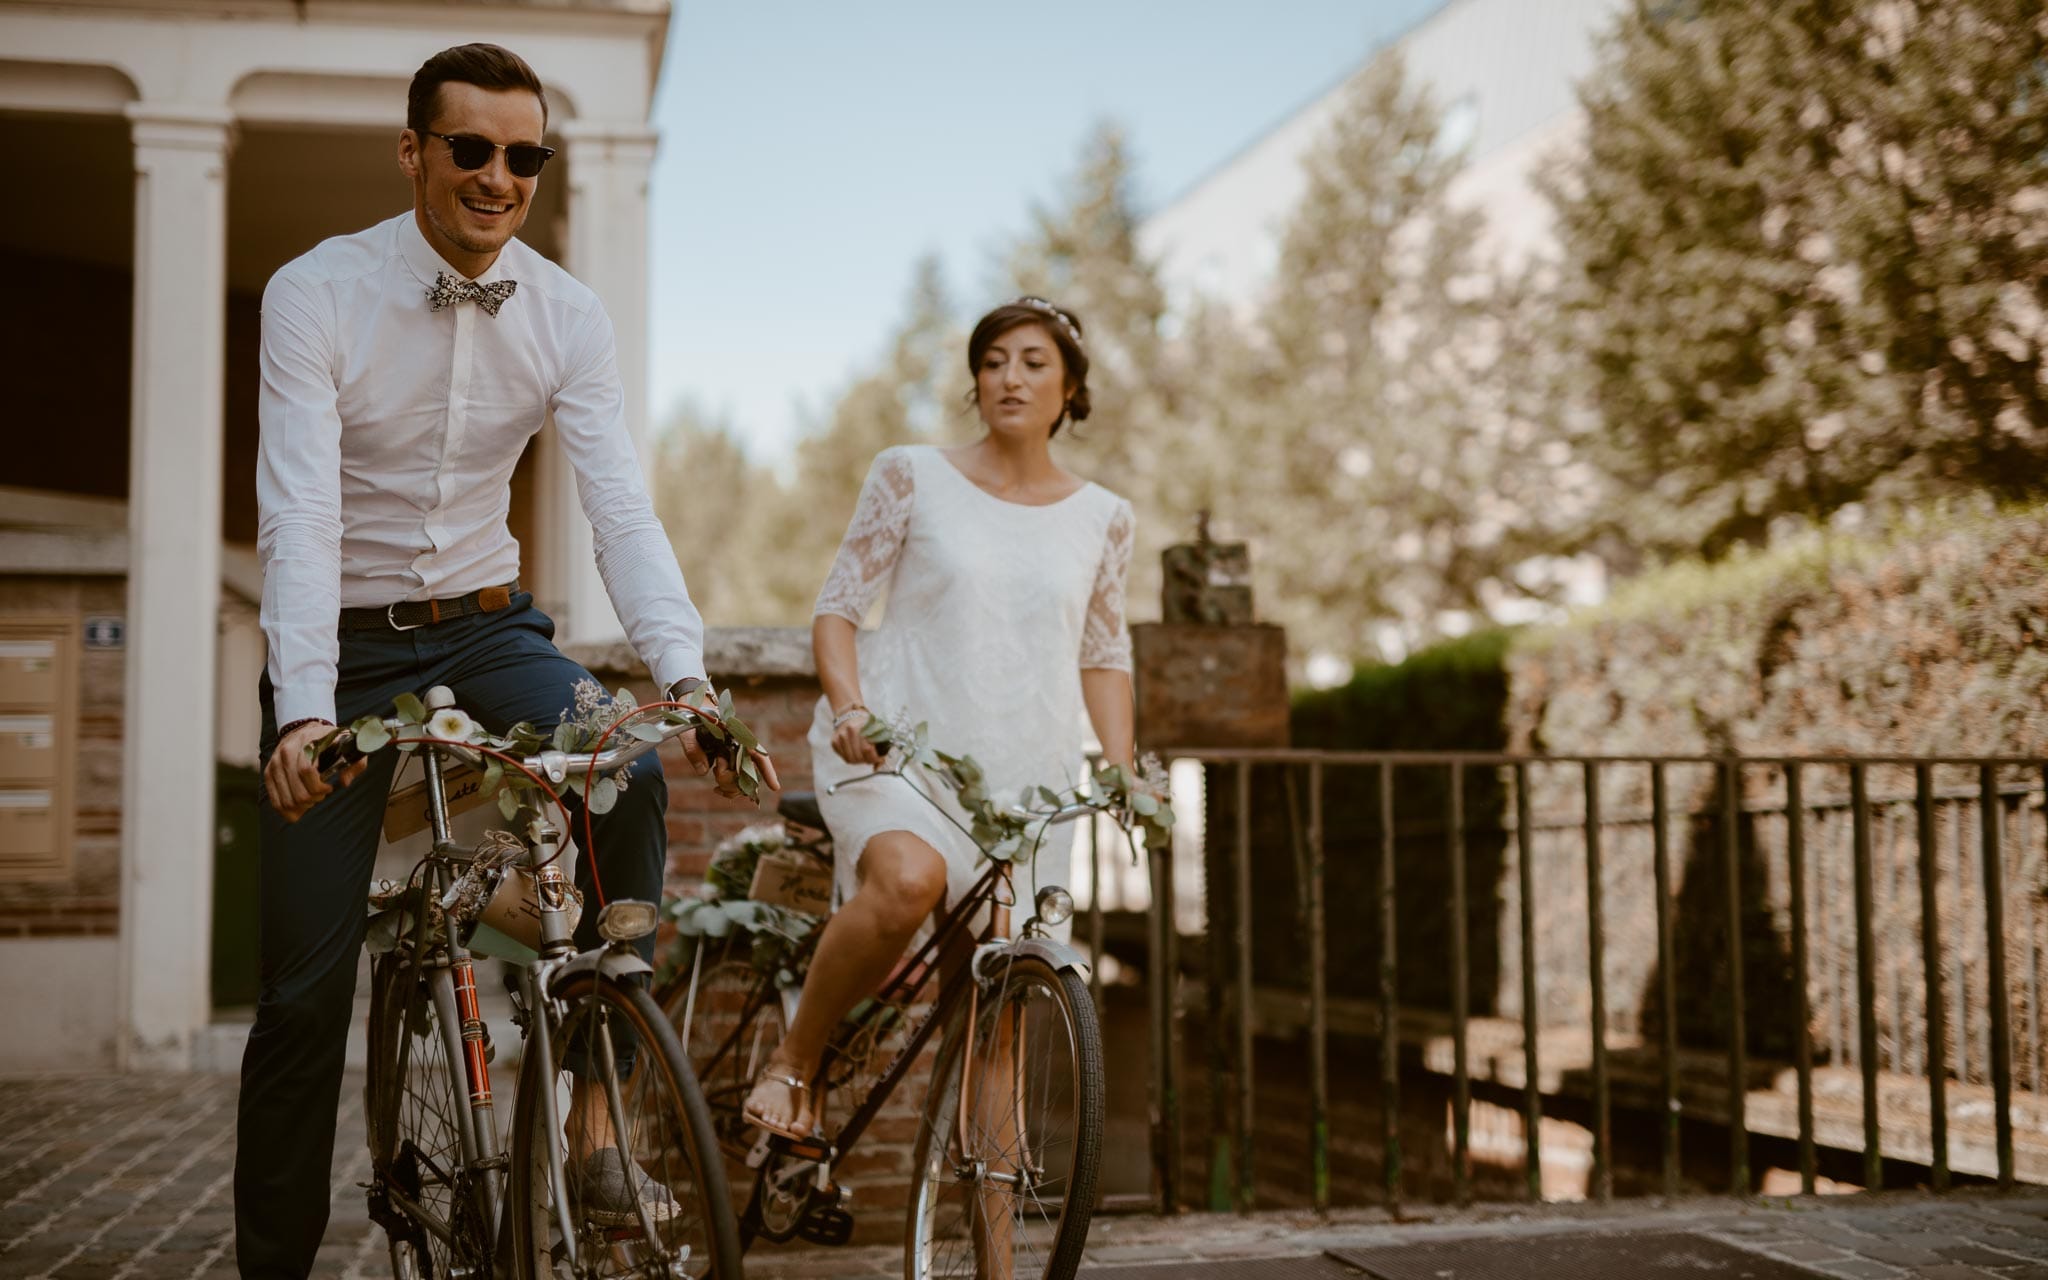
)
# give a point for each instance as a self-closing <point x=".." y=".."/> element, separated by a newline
<point x="848" y="713"/>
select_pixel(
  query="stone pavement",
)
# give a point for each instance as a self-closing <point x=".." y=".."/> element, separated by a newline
<point x="1962" y="1236"/>
<point x="129" y="1178"/>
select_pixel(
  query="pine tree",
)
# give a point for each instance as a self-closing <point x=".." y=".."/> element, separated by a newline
<point x="721" y="511"/>
<point x="1387" y="461"/>
<point x="1082" y="253"/>
<point x="902" y="401"/>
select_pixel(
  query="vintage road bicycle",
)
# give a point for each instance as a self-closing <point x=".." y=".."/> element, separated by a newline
<point x="611" y="1169"/>
<point x="1009" y="1145"/>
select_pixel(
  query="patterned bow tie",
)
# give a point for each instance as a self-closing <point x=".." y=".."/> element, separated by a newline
<point x="449" y="290"/>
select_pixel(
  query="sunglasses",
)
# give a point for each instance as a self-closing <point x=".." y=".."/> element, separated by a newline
<point x="523" y="159"/>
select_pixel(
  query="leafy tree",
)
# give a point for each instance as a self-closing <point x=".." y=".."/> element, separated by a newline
<point x="1805" y="259"/>
<point x="722" y="512"/>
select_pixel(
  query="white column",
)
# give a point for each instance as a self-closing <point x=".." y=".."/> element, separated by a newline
<point x="607" y="250"/>
<point x="174" y="527"/>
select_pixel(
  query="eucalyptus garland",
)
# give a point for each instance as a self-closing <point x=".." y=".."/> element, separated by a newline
<point x="595" y="718"/>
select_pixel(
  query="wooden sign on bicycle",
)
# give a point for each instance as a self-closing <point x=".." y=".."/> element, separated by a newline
<point x="405" y="813"/>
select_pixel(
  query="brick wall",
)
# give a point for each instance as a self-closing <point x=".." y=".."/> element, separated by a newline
<point x="773" y="684"/>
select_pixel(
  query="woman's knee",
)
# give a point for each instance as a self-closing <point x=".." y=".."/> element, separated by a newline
<point x="904" y="871"/>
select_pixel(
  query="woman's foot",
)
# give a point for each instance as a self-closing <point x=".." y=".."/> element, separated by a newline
<point x="780" y="1101"/>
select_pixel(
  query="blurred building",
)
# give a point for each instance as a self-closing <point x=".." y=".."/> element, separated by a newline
<point x="1502" y="72"/>
<point x="165" y="157"/>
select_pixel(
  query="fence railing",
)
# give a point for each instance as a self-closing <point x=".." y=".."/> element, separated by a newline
<point x="1883" y="877"/>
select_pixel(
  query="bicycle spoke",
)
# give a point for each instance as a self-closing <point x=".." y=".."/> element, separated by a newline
<point x="418" y="1139"/>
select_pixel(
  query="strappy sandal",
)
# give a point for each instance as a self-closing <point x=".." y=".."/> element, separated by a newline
<point x="801" y="1090"/>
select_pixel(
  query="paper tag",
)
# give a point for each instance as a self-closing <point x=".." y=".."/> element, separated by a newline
<point x="792" y="880"/>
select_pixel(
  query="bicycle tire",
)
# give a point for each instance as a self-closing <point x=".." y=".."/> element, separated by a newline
<point x="411" y="1094"/>
<point x="668" y="1140"/>
<point x="1058" y="1113"/>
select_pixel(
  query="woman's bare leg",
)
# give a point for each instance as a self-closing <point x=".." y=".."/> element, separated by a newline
<point x="902" y="879"/>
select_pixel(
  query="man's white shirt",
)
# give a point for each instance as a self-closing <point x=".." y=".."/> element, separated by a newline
<point x="389" y="436"/>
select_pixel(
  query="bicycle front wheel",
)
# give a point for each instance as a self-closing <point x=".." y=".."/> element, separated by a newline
<point x="415" y="1099"/>
<point x="627" y="1180"/>
<point x="1011" y="1142"/>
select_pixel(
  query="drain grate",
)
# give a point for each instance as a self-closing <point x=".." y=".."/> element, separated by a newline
<point x="1582" y="1256"/>
<point x="1309" y="1268"/>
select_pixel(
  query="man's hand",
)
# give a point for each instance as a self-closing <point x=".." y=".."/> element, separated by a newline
<point x="725" y="778"/>
<point x="292" y="780"/>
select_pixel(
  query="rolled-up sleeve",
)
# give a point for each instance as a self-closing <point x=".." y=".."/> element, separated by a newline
<point x="298" y="497"/>
<point x="634" y="557"/>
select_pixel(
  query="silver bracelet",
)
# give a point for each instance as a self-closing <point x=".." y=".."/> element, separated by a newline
<point x="846" y="716"/>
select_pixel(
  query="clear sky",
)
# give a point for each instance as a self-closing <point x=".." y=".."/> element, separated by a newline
<point x="812" y="150"/>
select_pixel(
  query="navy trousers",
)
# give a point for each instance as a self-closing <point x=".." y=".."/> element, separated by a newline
<point x="503" y="668"/>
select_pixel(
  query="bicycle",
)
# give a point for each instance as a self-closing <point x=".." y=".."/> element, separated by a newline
<point x="611" y="1169"/>
<point x="1010" y="1137"/>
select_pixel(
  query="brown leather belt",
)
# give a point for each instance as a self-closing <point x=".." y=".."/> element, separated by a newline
<point x="409" y="614"/>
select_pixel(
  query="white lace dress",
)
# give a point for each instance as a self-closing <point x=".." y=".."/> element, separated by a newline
<point x="994" y="609"/>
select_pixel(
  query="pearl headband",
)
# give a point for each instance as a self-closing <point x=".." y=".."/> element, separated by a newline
<point x="1046" y="308"/>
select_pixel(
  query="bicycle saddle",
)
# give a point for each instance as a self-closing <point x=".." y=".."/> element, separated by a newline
<point x="802" y="807"/>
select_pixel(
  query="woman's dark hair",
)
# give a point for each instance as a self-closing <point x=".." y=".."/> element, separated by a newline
<point x="1065" y="328"/>
<point x="487" y="66"/>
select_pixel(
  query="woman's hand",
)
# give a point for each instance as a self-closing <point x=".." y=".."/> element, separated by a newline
<point x="850" y="744"/>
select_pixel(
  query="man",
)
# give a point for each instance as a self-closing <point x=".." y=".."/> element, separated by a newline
<point x="404" y="370"/>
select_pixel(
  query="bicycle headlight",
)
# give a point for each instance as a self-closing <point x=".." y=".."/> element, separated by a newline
<point x="1055" y="905"/>
<point x="625" y="919"/>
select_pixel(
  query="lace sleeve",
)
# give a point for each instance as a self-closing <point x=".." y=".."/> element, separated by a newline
<point x="1105" y="643"/>
<point x="867" y="554"/>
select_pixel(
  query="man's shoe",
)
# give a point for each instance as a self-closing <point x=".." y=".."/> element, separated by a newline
<point x="605" y="1185"/>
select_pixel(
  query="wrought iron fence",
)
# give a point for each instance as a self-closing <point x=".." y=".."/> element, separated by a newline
<point x="1884" y="878"/>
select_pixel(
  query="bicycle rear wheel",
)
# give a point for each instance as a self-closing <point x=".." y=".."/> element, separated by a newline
<point x="415" y="1098"/>
<point x="1010" y="1146"/>
<point x="643" y="1190"/>
<point x="728" y="1027"/>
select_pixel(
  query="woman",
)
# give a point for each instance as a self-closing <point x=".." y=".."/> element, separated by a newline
<point x="1005" y="617"/>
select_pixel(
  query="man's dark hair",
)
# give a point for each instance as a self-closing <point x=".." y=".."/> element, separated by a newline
<point x="487" y="66"/>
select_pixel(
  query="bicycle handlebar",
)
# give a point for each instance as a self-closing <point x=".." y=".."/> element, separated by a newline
<point x="555" y="766"/>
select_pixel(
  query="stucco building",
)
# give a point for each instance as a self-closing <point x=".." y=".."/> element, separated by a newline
<point x="1503" y="74"/>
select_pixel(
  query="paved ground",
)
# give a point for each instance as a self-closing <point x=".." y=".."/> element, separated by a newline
<point x="128" y="1178"/>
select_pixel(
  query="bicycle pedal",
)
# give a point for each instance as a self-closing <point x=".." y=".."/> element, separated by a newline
<point x="808" y="1149"/>
<point x="757" y="1155"/>
<point x="827" y="1227"/>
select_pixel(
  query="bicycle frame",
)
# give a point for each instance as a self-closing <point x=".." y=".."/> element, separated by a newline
<point x="450" y="974"/>
<point x="954" y="936"/>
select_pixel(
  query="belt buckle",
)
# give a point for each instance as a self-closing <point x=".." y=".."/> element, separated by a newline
<point x="394" y="622"/>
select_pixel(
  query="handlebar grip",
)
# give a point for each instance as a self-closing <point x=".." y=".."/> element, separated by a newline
<point x="340" y="754"/>
<point x="716" y="749"/>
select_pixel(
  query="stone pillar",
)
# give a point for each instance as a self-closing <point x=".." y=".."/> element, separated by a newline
<point x="607" y="250"/>
<point x="174" y="530"/>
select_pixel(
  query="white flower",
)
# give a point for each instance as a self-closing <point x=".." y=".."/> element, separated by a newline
<point x="451" y="724"/>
